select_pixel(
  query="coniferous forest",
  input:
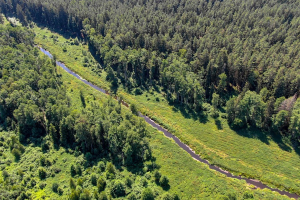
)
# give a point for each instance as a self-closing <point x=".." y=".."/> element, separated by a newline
<point x="234" y="60"/>
<point x="240" y="54"/>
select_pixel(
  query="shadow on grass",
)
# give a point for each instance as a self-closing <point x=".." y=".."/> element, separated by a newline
<point x="219" y="124"/>
<point x="189" y="113"/>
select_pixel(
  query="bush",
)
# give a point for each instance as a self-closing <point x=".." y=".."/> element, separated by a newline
<point x="128" y="182"/>
<point x="80" y="182"/>
<point x="134" y="109"/>
<point x="157" y="175"/>
<point x="138" y="91"/>
<point x="101" y="166"/>
<point x="147" y="194"/>
<point x="72" y="184"/>
<point x="73" y="170"/>
<point x="131" y="196"/>
<point x="101" y="183"/>
<point x="103" y="196"/>
<point x="42" y="173"/>
<point x="166" y="196"/>
<point x="164" y="181"/>
<point x="118" y="189"/>
<point x="17" y="154"/>
<point x="248" y="195"/>
<point x="42" y="161"/>
<point x="5" y="174"/>
<point x="55" y="187"/>
<point x="85" y="195"/>
<point x="94" y="179"/>
<point x="42" y="185"/>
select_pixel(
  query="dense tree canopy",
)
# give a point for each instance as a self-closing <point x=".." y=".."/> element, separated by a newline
<point x="190" y="48"/>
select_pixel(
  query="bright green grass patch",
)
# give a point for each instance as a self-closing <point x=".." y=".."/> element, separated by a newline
<point x="247" y="153"/>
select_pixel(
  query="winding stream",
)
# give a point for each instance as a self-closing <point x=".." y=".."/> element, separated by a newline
<point x="256" y="183"/>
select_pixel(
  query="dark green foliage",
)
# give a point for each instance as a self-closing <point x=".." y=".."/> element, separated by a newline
<point x="5" y="174"/>
<point x="42" y="173"/>
<point x="131" y="196"/>
<point x="94" y="179"/>
<point x="157" y="175"/>
<point x="85" y="195"/>
<point x="118" y="189"/>
<point x="73" y="170"/>
<point x="147" y="194"/>
<point x="134" y="109"/>
<point x="101" y="183"/>
<point x="248" y="195"/>
<point x="55" y="187"/>
<point x="164" y="181"/>
<point x="72" y="184"/>
<point x="167" y="196"/>
<point x="103" y="196"/>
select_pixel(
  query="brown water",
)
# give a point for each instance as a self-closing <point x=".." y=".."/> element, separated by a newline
<point x="256" y="183"/>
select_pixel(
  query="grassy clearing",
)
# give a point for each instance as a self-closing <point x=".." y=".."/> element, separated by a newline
<point x="248" y="153"/>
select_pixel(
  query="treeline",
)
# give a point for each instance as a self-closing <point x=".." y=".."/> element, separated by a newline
<point x="34" y="103"/>
<point x="193" y="49"/>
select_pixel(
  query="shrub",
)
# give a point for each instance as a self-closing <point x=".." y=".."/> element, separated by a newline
<point x="101" y="166"/>
<point x="94" y="179"/>
<point x="128" y="181"/>
<point x="42" y="185"/>
<point x="5" y="174"/>
<point x="73" y="170"/>
<point x="42" y="161"/>
<point x="134" y="109"/>
<point x="17" y="154"/>
<point x="72" y="184"/>
<point x="118" y="189"/>
<point x="42" y="173"/>
<point x="164" y="181"/>
<point x="80" y="182"/>
<point x="248" y="195"/>
<point x="147" y="194"/>
<point x="131" y="196"/>
<point x="78" y="170"/>
<point x="103" y="196"/>
<point x="60" y="191"/>
<point x="157" y="175"/>
<point x="85" y="195"/>
<point x="166" y="196"/>
<point x="55" y="187"/>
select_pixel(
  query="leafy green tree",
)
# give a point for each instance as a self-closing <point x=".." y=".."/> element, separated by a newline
<point x="164" y="181"/>
<point x="147" y="194"/>
<point x="72" y="184"/>
<point x="101" y="183"/>
<point x="118" y="189"/>
<point x="134" y="109"/>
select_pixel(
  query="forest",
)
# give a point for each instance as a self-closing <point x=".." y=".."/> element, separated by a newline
<point x="36" y="111"/>
<point x="241" y="55"/>
<point x="229" y="61"/>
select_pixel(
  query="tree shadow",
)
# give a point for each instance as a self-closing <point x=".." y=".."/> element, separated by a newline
<point x="254" y="133"/>
<point x="218" y="124"/>
<point x="189" y="113"/>
<point x="279" y="139"/>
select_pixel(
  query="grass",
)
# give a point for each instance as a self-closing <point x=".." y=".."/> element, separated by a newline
<point x="248" y="153"/>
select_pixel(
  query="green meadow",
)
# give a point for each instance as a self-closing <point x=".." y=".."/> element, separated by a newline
<point x="248" y="153"/>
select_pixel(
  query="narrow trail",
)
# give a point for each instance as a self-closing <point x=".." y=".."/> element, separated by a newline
<point x="253" y="182"/>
